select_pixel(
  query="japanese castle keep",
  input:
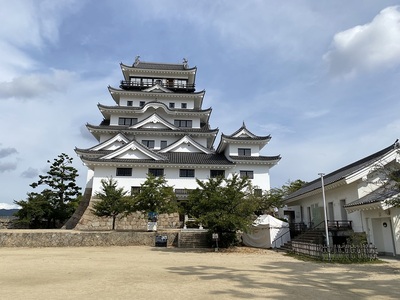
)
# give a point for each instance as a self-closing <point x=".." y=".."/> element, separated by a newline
<point x="157" y="125"/>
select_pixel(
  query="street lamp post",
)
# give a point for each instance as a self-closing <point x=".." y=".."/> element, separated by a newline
<point x="325" y="216"/>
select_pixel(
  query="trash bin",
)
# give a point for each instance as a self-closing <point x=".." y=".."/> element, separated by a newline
<point x="161" y="240"/>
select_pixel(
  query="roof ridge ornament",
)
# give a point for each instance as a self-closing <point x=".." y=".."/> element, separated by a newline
<point x="396" y="144"/>
<point x="185" y="63"/>
<point x="137" y="60"/>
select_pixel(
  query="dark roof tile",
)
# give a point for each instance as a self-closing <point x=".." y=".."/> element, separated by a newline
<point x="340" y="173"/>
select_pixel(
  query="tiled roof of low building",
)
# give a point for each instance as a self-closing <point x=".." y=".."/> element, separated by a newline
<point x="341" y="173"/>
<point x="380" y="194"/>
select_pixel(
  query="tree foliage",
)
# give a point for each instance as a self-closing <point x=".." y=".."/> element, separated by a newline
<point x="223" y="205"/>
<point x="389" y="182"/>
<point x="34" y="210"/>
<point x="155" y="196"/>
<point x="272" y="199"/>
<point x="57" y="201"/>
<point x="113" y="201"/>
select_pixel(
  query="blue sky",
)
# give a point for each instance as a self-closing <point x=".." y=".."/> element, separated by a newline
<point x="322" y="77"/>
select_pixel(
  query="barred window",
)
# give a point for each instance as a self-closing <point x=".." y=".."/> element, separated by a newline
<point x="186" y="173"/>
<point x="127" y="121"/>
<point x="183" y="123"/>
<point x="248" y="174"/>
<point x="148" y="143"/>
<point x="156" y="172"/>
<point x="217" y="173"/>
<point x="244" y="152"/>
<point x="124" y="172"/>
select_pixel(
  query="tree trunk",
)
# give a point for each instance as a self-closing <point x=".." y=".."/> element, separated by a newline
<point x="113" y="223"/>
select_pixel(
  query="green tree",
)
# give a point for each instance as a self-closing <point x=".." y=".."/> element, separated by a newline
<point x="34" y="211"/>
<point x="292" y="186"/>
<point x="113" y="201"/>
<point x="224" y="206"/>
<point x="155" y="196"/>
<point x="272" y="199"/>
<point x="61" y="194"/>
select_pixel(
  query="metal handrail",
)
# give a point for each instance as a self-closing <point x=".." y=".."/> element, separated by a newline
<point x="280" y="237"/>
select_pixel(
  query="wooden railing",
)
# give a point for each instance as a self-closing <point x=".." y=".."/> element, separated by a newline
<point x="363" y="252"/>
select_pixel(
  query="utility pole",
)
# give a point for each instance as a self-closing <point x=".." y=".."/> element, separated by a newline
<point x="325" y="215"/>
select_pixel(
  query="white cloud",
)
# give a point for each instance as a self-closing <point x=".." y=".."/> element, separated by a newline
<point x="369" y="47"/>
<point x="8" y="206"/>
<point x="35" y="85"/>
<point x="7" y="166"/>
<point x="312" y="114"/>
<point x="4" y="152"/>
<point x="30" y="173"/>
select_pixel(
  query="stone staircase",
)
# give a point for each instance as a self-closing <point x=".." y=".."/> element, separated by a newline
<point x="313" y="236"/>
<point x="193" y="239"/>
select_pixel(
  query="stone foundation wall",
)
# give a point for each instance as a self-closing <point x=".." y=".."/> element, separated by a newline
<point x="72" y="238"/>
<point x="135" y="221"/>
<point x="6" y="222"/>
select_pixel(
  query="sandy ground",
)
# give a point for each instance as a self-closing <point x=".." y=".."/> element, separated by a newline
<point x="169" y="273"/>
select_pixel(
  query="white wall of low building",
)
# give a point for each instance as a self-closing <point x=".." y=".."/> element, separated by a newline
<point x="334" y="198"/>
<point x="383" y="229"/>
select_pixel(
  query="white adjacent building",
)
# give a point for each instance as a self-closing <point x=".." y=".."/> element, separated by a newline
<point x="355" y="196"/>
<point x="157" y="125"/>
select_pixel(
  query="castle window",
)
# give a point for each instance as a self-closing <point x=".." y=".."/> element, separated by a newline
<point x="124" y="172"/>
<point x="183" y="105"/>
<point x="183" y="123"/>
<point x="142" y="103"/>
<point x="258" y="192"/>
<point x="130" y="103"/>
<point x="127" y="121"/>
<point x="163" y="144"/>
<point x="147" y="81"/>
<point x="135" y="190"/>
<point x="156" y="172"/>
<point x="180" y="83"/>
<point x="244" y="152"/>
<point x="217" y="173"/>
<point x="171" y="105"/>
<point x="148" y="143"/>
<point x="186" y="173"/>
<point x="247" y="174"/>
<point x="135" y="81"/>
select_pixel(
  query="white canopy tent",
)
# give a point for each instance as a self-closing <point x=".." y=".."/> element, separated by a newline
<point x="265" y="230"/>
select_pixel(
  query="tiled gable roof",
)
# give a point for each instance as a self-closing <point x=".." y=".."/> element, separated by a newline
<point x="341" y="173"/>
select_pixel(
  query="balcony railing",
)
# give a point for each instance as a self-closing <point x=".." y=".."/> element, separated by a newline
<point x="340" y="225"/>
<point x="132" y="85"/>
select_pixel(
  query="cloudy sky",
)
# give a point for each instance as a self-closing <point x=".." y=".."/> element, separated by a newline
<point x="322" y="77"/>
